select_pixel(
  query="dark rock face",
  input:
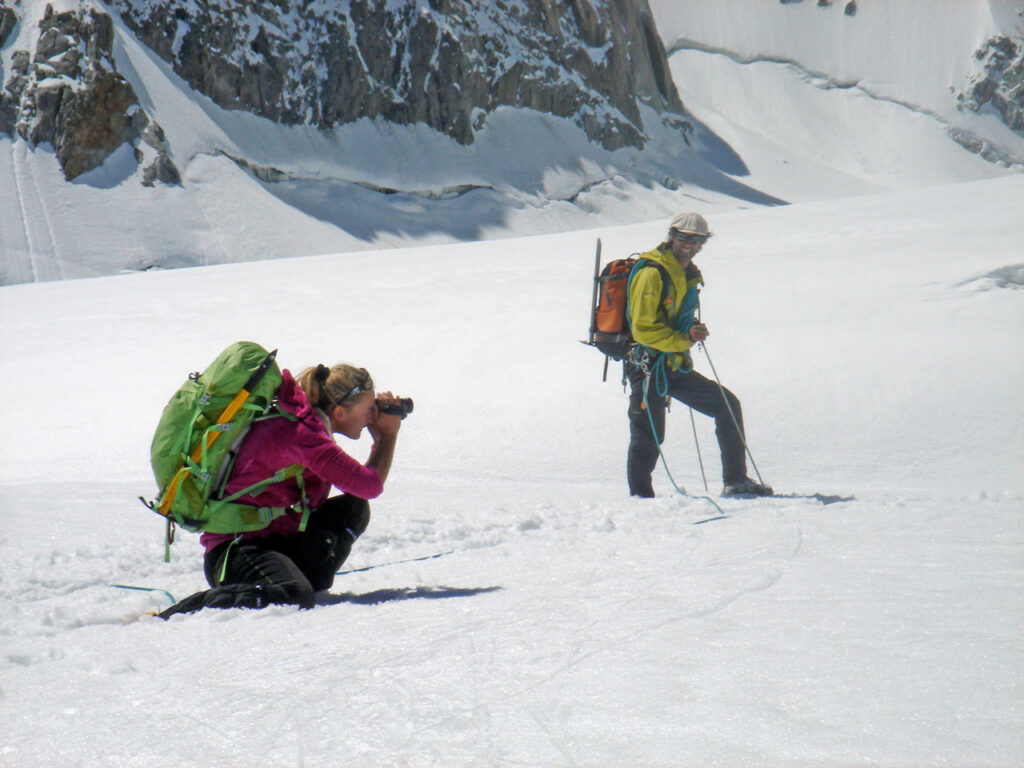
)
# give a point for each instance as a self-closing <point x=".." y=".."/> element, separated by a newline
<point x="69" y="94"/>
<point x="1000" y="83"/>
<point x="92" y="123"/>
<point x="445" y="63"/>
<point x="8" y="21"/>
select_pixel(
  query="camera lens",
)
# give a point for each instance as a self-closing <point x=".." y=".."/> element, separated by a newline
<point x="401" y="409"/>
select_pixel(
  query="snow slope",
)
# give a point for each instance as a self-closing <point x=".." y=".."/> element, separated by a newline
<point x="364" y="185"/>
<point x="566" y="624"/>
<point x="822" y="104"/>
<point x="794" y="103"/>
<point x="916" y="54"/>
<point x="873" y="616"/>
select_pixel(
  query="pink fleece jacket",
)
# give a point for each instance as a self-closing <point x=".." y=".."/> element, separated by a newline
<point x="277" y="443"/>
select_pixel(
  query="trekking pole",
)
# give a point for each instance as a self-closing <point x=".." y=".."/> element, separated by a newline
<point x="700" y="460"/>
<point x="211" y="437"/>
<point x="735" y="421"/>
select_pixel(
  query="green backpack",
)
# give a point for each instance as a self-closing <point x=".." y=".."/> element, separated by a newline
<point x="197" y="439"/>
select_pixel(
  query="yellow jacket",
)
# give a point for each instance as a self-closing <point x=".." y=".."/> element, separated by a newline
<point x="652" y="321"/>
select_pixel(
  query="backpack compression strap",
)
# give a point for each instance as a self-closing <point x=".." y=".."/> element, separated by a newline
<point x="226" y="516"/>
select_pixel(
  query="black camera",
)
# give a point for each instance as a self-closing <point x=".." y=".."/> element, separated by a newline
<point x="401" y="409"/>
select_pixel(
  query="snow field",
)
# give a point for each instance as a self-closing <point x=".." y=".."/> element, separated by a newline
<point x="872" y="338"/>
<point x="570" y="624"/>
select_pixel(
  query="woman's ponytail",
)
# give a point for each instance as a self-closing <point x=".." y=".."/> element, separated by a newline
<point x="338" y="385"/>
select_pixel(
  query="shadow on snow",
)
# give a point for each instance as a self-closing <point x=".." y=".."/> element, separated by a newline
<point x="405" y="593"/>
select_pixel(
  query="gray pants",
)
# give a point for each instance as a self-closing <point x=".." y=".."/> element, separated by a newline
<point x="695" y="391"/>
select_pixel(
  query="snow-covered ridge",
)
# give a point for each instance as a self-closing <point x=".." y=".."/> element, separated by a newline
<point x="447" y="65"/>
<point x="755" y="133"/>
<point x="984" y="89"/>
<point x="365" y="183"/>
<point x="944" y="59"/>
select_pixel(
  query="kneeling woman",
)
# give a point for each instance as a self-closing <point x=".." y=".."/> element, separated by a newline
<point x="281" y="563"/>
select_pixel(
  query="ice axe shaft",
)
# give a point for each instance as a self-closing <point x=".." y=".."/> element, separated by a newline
<point x="593" y="298"/>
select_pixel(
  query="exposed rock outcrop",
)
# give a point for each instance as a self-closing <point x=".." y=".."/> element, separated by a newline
<point x="1000" y="82"/>
<point x="444" y="63"/>
<point x="69" y="94"/>
<point x="8" y="21"/>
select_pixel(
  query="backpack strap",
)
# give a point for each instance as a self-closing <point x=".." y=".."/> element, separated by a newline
<point x="238" y="511"/>
<point x="285" y="473"/>
<point x="227" y="516"/>
<point x="656" y="364"/>
<point x="303" y="503"/>
<point x="665" y="282"/>
<point x="273" y="411"/>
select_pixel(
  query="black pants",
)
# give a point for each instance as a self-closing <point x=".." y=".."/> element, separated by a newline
<point x="256" y="572"/>
<point x="699" y="393"/>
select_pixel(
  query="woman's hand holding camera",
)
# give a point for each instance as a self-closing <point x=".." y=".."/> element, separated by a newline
<point x="387" y="422"/>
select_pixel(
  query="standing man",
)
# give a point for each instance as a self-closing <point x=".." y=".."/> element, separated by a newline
<point x="663" y="316"/>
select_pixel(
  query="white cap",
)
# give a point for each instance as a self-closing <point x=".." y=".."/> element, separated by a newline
<point x="690" y="223"/>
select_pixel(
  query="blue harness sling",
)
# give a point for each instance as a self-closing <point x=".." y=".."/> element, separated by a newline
<point x="688" y="315"/>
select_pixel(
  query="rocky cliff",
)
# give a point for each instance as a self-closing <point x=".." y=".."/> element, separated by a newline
<point x="67" y="93"/>
<point x="999" y="81"/>
<point x="444" y="63"/>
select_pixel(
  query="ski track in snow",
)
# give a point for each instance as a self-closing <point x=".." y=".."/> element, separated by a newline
<point x="44" y="252"/>
<point x="19" y="196"/>
<point x="618" y="622"/>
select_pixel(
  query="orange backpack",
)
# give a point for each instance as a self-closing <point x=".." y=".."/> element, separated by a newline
<point x="609" y="317"/>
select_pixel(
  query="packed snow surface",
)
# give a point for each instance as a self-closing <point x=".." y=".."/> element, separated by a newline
<point x="509" y="604"/>
<point x="869" y="616"/>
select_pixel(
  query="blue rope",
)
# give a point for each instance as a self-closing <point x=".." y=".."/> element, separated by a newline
<point x="144" y="589"/>
<point x="658" y="369"/>
<point x="664" y="463"/>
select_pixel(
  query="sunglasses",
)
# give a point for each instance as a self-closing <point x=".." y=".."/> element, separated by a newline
<point x="689" y="239"/>
<point x="363" y="384"/>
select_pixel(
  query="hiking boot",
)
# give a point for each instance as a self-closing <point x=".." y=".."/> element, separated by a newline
<point x="747" y="487"/>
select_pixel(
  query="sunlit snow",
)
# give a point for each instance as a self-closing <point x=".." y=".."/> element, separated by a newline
<point x="870" y="615"/>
